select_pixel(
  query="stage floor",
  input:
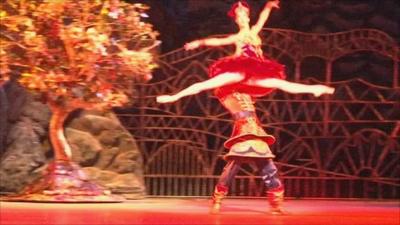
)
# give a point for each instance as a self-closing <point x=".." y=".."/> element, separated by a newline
<point x="186" y="211"/>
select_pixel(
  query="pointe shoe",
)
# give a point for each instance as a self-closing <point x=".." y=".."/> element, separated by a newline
<point x="165" y="99"/>
<point x="219" y="193"/>
<point x="322" y="89"/>
<point x="275" y="198"/>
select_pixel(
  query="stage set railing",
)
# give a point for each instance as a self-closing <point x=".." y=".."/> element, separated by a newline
<point x="342" y="146"/>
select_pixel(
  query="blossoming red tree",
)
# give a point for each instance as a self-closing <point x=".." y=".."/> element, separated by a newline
<point x="75" y="54"/>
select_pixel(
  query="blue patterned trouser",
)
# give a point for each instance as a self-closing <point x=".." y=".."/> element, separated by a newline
<point x="268" y="172"/>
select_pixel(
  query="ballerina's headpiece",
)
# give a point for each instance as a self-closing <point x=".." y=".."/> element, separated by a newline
<point x="241" y="3"/>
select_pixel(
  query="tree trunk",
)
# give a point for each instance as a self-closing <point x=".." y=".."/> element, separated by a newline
<point x="62" y="150"/>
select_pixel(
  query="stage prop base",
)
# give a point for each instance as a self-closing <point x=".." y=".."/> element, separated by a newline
<point x="64" y="181"/>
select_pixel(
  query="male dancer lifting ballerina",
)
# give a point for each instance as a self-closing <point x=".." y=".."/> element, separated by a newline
<point x="237" y="81"/>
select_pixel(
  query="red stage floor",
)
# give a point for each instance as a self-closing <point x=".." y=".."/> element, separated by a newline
<point x="195" y="211"/>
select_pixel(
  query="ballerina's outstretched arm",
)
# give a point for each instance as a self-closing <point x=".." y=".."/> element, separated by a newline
<point x="215" y="82"/>
<point x="211" y="42"/>
<point x="264" y="15"/>
<point x="291" y="87"/>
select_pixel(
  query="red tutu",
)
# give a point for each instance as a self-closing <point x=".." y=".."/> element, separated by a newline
<point x="251" y="67"/>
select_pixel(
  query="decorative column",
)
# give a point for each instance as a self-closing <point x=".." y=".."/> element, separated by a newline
<point x="328" y="80"/>
<point x="396" y="77"/>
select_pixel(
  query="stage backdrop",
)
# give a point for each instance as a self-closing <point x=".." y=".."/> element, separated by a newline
<point x="341" y="146"/>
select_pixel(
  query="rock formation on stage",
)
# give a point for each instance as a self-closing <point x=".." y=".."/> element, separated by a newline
<point x="105" y="150"/>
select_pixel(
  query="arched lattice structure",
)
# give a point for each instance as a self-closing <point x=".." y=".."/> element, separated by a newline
<point x="299" y="45"/>
<point x="371" y="155"/>
<point x="321" y="141"/>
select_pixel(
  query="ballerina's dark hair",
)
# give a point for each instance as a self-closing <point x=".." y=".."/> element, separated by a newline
<point x="232" y="13"/>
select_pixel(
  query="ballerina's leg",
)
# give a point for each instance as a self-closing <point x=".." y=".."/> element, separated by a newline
<point x="291" y="87"/>
<point x="212" y="83"/>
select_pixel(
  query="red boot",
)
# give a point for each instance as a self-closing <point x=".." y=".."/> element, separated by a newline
<point x="275" y="199"/>
<point x="220" y="192"/>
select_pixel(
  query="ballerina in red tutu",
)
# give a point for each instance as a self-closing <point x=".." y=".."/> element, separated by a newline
<point x="237" y="81"/>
